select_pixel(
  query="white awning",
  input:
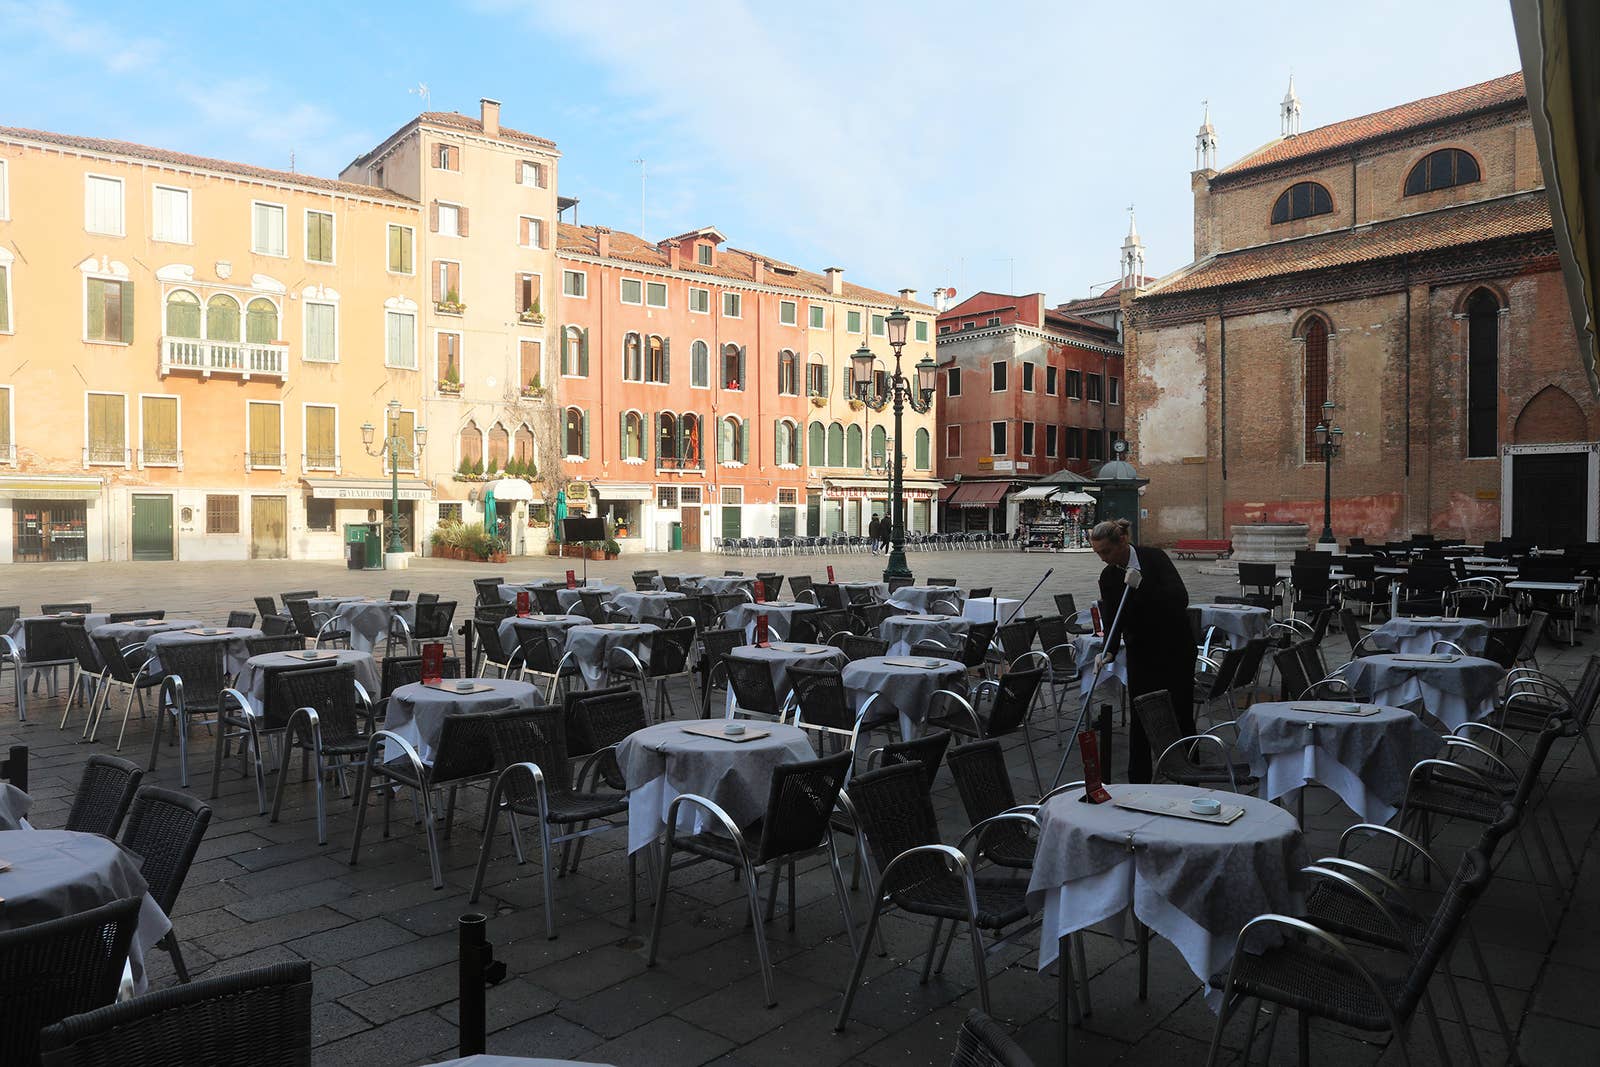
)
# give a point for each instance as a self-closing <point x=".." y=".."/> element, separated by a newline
<point x="624" y="492"/>
<point x="510" y="489"/>
<point x="1034" y="492"/>
<point x="366" y="489"/>
<point x="1072" y="497"/>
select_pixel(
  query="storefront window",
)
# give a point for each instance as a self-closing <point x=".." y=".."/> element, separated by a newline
<point x="50" y="531"/>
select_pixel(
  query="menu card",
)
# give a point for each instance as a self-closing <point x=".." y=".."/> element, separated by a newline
<point x="1094" y="615"/>
<point x="572" y="579"/>
<point x="760" y="590"/>
<point x="432" y="663"/>
<point x="1094" y="788"/>
<point x="761" y="630"/>
<point x="523" y="606"/>
<point x="830" y="574"/>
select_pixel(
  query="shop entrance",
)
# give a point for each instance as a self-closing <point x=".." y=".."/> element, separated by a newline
<point x="50" y="531"/>
<point x="152" y="527"/>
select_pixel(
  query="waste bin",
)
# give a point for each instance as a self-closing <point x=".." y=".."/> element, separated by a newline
<point x="355" y="545"/>
<point x="675" y="536"/>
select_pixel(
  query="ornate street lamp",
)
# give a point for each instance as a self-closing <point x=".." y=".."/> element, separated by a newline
<point x="1329" y="439"/>
<point x="394" y="448"/>
<point x="902" y="392"/>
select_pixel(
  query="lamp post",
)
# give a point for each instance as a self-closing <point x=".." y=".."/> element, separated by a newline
<point x="901" y="392"/>
<point x="1329" y="438"/>
<point x="394" y="447"/>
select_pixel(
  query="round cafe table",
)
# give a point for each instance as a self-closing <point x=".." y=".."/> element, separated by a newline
<point x="252" y="677"/>
<point x="234" y="654"/>
<point x="508" y="592"/>
<point x="416" y="711"/>
<point x="19" y="630"/>
<point x="1417" y="634"/>
<point x="138" y="631"/>
<point x="570" y="598"/>
<point x="1194" y="883"/>
<point x="665" y="761"/>
<point x="1242" y="621"/>
<point x="779" y="656"/>
<point x="1453" y="689"/>
<point x="922" y="598"/>
<point x="369" y="620"/>
<point x="56" y="873"/>
<point x="591" y="646"/>
<point x="728" y="583"/>
<point x="648" y="606"/>
<point x="684" y="580"/>
<point x="512" y="626"/>
<point x="903" y="631"/>
<point x="780" y="617"/>
<point x="904" y="684"/>
<point x="1085" y="647"/>
<point x="1366" y="759"/>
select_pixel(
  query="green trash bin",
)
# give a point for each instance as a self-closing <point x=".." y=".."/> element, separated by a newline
<point x="675" y="536"/>
<point x="355" y="545"/>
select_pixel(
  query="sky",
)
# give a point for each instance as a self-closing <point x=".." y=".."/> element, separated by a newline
<point x="979" y="146"/>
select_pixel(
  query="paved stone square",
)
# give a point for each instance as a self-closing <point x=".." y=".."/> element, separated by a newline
<point x="383" y="942"/>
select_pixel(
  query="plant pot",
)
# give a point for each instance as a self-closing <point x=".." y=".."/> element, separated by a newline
<point x="552" y="548"/>
<point x="610" y="555"/>
<point x="596" y="554"/>
<point x="498" y="557"/>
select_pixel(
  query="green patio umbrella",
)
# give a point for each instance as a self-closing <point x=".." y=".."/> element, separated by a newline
<point x="561" y="513"/>
<point x="490" y="519"/>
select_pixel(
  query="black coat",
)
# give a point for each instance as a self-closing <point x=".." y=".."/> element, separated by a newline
<point x="874" y="528"/>
<point x="1155" y="628"/>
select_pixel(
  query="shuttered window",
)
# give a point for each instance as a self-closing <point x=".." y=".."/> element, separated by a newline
<point x="400" y="340"/>
<point x="265" y="435"/>
<point x="268" y="229"/>
<point x="183" y="314"/>
<point x="401" y="239"/>
<point x="530" y="363"/>
<point x="169" y="217"/>
<point x="222" y="514"/>
<point x="110" y="311"/>
<point x="5" y="299"/>
<point x="158" y="431"/>
<point x="222" y="318"/>
<point x="321" y="447"/>
<point x="102" y="205"/>
<point x="406" y="429"/>
<point x="322" y="333"/>
<point x="530" y="232"/>
<point x="108" y="428"/>
<point x="921" y="459"/>
<point x="6" y="438"/>
<point x="261" y="322"/>
<point x="319" y="236"/>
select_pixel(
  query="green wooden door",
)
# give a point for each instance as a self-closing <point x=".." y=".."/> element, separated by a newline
<point x="732" y="521"/>
<point x="152" y="527"/>
<point x="786" y="522"/>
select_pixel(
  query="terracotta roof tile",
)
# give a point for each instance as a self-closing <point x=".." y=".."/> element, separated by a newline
<point x="733" y="264"/>
<point x="183" y="159"/>
<point x="1474" y="98"/>
<point x="467" y="122"/>
<point x="1516" y="216"/>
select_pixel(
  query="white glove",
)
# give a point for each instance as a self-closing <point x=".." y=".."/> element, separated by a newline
<point x="1100" y="661"/>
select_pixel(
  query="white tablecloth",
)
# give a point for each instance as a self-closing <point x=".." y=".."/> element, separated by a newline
<point x="511" y="628"/>
<point x="19" y="633"/>
<point x="903" y="689"/>
<point x="989" y="608"/>
<point x="1085" y="647"/>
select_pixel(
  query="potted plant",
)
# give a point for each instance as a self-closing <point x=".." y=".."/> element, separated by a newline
<point x="495" y="550"/>
<point x="451" y="304"/>
<point x="451" y="383"/>
<point x="477" y="468"/>
<point x="819" y="401"/>
<point x="533" y="390"/>
<point x="595" y="550"/>
<point x="532" y="314"/>
<point x="611" y="549"/>
<point x="855" y="404"/>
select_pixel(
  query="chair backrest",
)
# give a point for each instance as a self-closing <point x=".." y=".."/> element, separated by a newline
<point x="1310" y="579"/>
<point x="982" y="779"/>
<point x="266" y="606"/>
<point x="83" y="650"/>
<point x="407" y="670"/>
<point x="859" y="596"/>
<point x="1155" y="714"/>
<point x="869" y="617"/>
<point x="976" y="649"/>
<point x="465" y="749"/>
<point x="59" y="968"/>
<point x="1066" y="604"/>
<point x="1258" y="576"/>
<point x="1352" y="629"/>
<point x="494" y="612"/>
<point x="132" y="616"/>
<point x="549" y="603"/>
<point x="531" y="735"/>
<point x="329" y="691"/>
<point x="671" y="583"/>
<point x="862" y="647"/>
<point x="925" y="752"/>
<point x="643" y="584"/>
<point x="714" y="644"/>
<point x="1503" y="644"/>
<point x="299" y="594"/>
<point x="82" y="607"/>
<point x="9" y="614"/>
<point x="1291" y="674"/>
<point x="1249" y="665"/>
<point x="978" y="592"/>
<point x="105" y="791"/>
<point x="202" y="665"/>
<point x="277" y="625"/>
<point x="259" y="646"/>
<point x="800" y="805"/>
<point x="399" y="594"/>
<point x="896" y="584"/>
<point x="300" y="611"/>
<point x="488" y="590"/>
<point x="820" y="693"/>
<point x="164" y="830"/>
<point x="820" y="625"/>
<point x="242" y="619"/>
<point x="752" y="685"/>
<point x="771" y="584"/>
<point x="1016" y="639"/>
<point x="799" y="583"/>
<point x="1468" y="883"/>
<point x="670" y="647"/>
<point x="829" y="595"/>
<point x="1310" y="660"/>
<point x="116" y="664"/>
<point x="981" y="1042"/>
<point x="433" y="620"/>
<point x="488" y="631"/>
<point x="1222" y="680"/>
<point x="1052" y="631"/>
<point x="1013" y="700"/>
<point x="47" y="641"/>
<point x="896" y="813"/>
<point x="942" y="581"/>
<point x="591" y="605"/>
<point x="427" y="598"/>
<point x="540" y="652"/>
<point x="1529" y="646"/>
<point x="14" y="767"/>
<point x="599" y="718"/>
<point x="248" y="1017"/>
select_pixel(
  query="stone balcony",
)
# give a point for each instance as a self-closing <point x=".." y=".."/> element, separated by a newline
<point x="240" y="359"/>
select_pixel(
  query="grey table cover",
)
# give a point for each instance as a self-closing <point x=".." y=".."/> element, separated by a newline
<point x="252" y="679"/>
<point x="19" y="633"/>
<point x="904" y="631"/>
<point x="569" y="598"/>
<point x="684" y="580"/>
<point x="1243" y="621"/>
<point x="137" y="633"/>
<point x="550" y="625"/>
<point x="14" y="805"/>
<point x="923" y="597"/>
<point x="647" y="607"/>
<point x="56" y="873"/>
<point x="1454" y="692"/>
<point x="904" y="690"/>
<point x="1418" y="633"/>
<point x="879" y="590"/>
<point x="1366" y="760"/>
<point x="508" y="591"/>
<point x="416" y="712"/>
<point x="233" y="637"/>
<point x="662" y="761"/>
<point x="325" y="605"/>
<point x="1194" y="883"/>
<point x="591" y="646"/>
<point x="727" y="584"/>
<point x="779" y="618"/>
<point x="369" y="620"/>
<point x="779" y="656"/>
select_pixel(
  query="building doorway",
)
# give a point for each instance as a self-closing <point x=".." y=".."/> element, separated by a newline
<point x="732" y="513"/>
<point x="1551" y="496"/>
<point x="152" y="528"/>
<point x="50" y="531"/>
<point x="269" y="527"/>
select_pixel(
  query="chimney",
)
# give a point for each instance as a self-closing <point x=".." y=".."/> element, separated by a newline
<point x="835" y="279"/>
<point x="602" y="242"/>
<point x="758" y="270"/>
<point x="908" y="296"/>
<point x="490" y="116"/>
<point x="674" y="253"/>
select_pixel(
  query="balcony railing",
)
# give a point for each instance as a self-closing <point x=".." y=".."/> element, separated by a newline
<point x="320" y="461"/>
<point x="256" y="459"/>
<point x="108" y="454"/>
<point x="246" y="359"/>
<point x="678" y="463"/>
<point x="161" y="457"/>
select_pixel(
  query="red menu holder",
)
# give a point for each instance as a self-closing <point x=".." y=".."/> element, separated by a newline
<point x="523" y="606"/>
<point x="1094" y="614"/>
<point x="1094" y="789"/>
<point x="761" y="591"/>
<point x="830" y="574"/>
<point x="432" y="663"/>
<point x="572" y="579"/>
<point x="761" y="630"/>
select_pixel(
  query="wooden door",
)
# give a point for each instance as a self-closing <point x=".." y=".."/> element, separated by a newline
<point x="691" y="527"/>
<point x="152" y="527"/>
<point x="269" y="527"/>
<point x="786" y="516"/>
<point x="1548" y="497"/>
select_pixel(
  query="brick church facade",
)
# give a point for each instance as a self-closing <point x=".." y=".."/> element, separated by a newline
<point x="1402" y="266"/>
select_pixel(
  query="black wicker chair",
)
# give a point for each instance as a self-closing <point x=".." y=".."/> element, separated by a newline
<point x="497" y="612"/>
<point x="984" y="783"/>
<point x="753" y="691"/>
<point x="87" y="679"/>
<point x="1179" y="759"/>
<point x="321" y="627"/>
<point x="328" y="723"/>
<point x="195" y="685"/>
<point x="433" y="625"/>
<point x="491" y="652"/>
<point x="982" y="1042"/>
<point x="1010" y="711"/>
<point x="59" y="968"/>
<point x="799" y="585"/>
<point x="539" y="653"/>
<point x="926" y="752"/>
<point x="487" y="589"/>
<point x="261" y="646"/>
<point x="427" y="598"/>
<point x="549" y="602"/>
<point x="45" y="647"/>
<point x="260" y="1016"/>
<point x="164" y="830"/>
<point x="298" y="594"/>
<point x="127" y="667"/>
<point x="670" y="648"/>
<point x="242" y="620"/>
<point x="534" y="778"/>
<point x="105" y="792"/>
<point x="922" y="876"/>
<point x="83" y="607"/>
<point x="861" y="647"/>
<point x="266" y="606"/>
<point x="277" y="626"/>
<point x="800" y="805"/>
<point x="820" y="626"/>
<point x="399" y="594"/>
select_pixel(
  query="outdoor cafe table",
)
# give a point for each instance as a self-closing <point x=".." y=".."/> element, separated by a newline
<point x="1453" y="689"/>
<point x="904" y="685"/>
<point x="924" y="597"/>
<point x="508" y="592"/>
<point x="1194" y="883"/>
<point x="1418" y="633"/>
<point x="369" y="620"/>
<point x="1242" y="621"/>
<point x="550" y="625"/>
<point x="877" y="590"/>
<point x="1085" y="647"/>
<point x="570" y="598"/>
<point x="57" y="873"/>
<point x="591" y="646"/>
<point x="1365" y="759"/>
<point x="325" y="605"/>
<point x="252" y="679"/>
<point x="904" y="631"/>
<point x="416" y="711"/>
<point x="486" y="1060"/>
<point x="684" y="580"/>
<point x="727" y="583"/>
<point x="780" y="616"/>
<point x="779" y="656"/>
<point x="138" y="631"/>
<point x="665" y="761"/>
<point x="233" y="638"/>
<point x="1566" y="593"/>
<point x="991" y="609"/>
<point x="19" y="632"/>
<point x="646" y="606"/>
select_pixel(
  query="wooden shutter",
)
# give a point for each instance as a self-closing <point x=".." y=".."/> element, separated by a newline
<point x="777" y="433"/>
<point x="433" y="216"/>
<point x="461" y="220"/>
<point x="666" y="359"/>
<point x="742" y="383"/>
<point x="584" y="422"/>
<point x="744" y="436"/>
<point x="107" y="430"/>
<point x="5" y="422"/>
<point x="583" y="354"/>
<point x="622" y="433"/>
<point x="5" y="303"/>
<point x="96" y="295"/>
<point x="647" y="430"/>
<point x="561" y="332"/>
<point x="159" y="421"/>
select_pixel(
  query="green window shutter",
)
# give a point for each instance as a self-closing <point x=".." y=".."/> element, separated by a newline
<point x="666" y="361"/>
<point x="646" y="432"/>
<point x="5" y="421"/>
<point x="5" y="301"/>
<point x="125" y="291"/>
<point x="583" y="354"/>
<point x="260" y="322"/>
<point x="777" y="442"/>
<point x="561" y="332"/>
<point x="744" y="439"/>
<point x="97" y="309"/>
<point x="922" y="450"/>
<point x="743" y="382"/>
<point x="622" y="433"/>
<point x="583" y="420"/>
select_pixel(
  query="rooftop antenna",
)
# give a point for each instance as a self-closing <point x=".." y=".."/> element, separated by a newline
<point x="641" y="197"/>
<point x="291" y="161"/>
<point x="422" y="91"/>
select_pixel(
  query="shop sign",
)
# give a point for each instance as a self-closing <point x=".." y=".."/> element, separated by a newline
<point x="578" y="496"/>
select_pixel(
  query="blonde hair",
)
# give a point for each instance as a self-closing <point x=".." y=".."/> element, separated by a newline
<point x="1115" y="530"/>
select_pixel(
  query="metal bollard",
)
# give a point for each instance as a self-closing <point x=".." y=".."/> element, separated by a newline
<point x="478" y="970"/>
<point x="467" y="635"/>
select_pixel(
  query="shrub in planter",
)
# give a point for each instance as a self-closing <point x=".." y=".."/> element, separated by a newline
<point x="611" y="549"/>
